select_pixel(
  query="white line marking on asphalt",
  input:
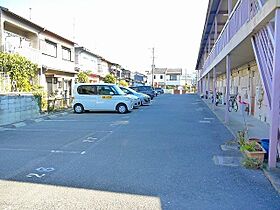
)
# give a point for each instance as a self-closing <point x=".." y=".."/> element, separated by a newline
<point x="42" y="169"/>
<point x="204" y="121"/>
<point x="208" y="118"/>
<point x="20" y="124"/>
<point x="36" y="175"/>
<point x="63" y="151"/>
<point x="38" y="120"/>
<point x="125" y="122"/>
<point x="89" y="141"/>
<point x="91" y="138"/>
<point x="7" y="129"/>
<point x="83" y="152"/>
<point x="36" y="150"/>
<point x="61" y="120"/>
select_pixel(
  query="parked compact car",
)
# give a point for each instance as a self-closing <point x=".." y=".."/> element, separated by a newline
<point x="159" y="91"/>
<point x="148" y="90"/>
<point x="136" y="99"/>
<point x="145" y="99"/>
<point x="100" y="97"/>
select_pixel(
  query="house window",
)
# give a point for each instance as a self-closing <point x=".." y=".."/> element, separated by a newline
<point x="66" y="54"/>
<point x="173" y="77"/>
<point x="50" y="48"/>
<point x="161" y="76"/>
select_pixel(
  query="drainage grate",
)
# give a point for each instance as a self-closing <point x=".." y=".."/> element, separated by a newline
<point x="227" y="161"/>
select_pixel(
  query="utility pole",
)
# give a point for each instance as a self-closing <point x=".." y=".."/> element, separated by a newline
<point x="153" y="66"/>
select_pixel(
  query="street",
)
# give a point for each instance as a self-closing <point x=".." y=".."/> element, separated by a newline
<point x="156" y="157"/>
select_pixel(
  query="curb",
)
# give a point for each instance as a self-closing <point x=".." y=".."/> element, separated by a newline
<point x="35" y="120"/>
<point x="273" y="175"/>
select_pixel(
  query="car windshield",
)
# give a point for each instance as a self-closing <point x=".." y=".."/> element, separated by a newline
<point x="131" y="90"/>
<point x="118" y="90"/>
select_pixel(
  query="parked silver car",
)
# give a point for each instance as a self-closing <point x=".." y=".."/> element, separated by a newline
<point x="145" y="99"/>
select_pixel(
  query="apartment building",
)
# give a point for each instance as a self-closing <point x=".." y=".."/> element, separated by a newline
<point x="237" y="55"/>
<point x="53" y="53"/>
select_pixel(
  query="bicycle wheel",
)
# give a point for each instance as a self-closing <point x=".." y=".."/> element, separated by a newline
<point x="230" y="105"/>
<point x="235" y="106"/>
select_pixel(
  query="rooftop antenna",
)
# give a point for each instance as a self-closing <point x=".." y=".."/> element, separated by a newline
<point x="30" y="10"/>
<point x="74" y="28"/>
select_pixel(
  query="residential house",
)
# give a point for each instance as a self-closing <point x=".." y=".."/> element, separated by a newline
<point x="103" y="67"/>
<point x="162" y="77"/>
<point x="58" y="66"/>
<point x="139" y="79"/>
<point x="126" y="75"/>
<point x="53" y="53"/>
<point x="18" y="35"/>
<point x="115" y="69"/>
<point x="87" y="61"/>
<point x="238" y="55"/>
<point x="174" y="78"/>
<point x="157" y="78"/>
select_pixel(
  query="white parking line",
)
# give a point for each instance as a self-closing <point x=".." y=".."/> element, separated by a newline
<point x="209" y="118"/>
<point x="204" y="121"/>
<point x="36" y="150"/>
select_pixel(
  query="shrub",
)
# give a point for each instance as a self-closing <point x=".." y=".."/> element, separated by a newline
<point x="251" y="163"/>
<point x="20" y="70"/>
<point x="110" y="78"/>
<point x="83" y="77"/>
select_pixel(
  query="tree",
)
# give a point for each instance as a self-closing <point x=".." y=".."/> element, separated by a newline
<point x="110" y="78"/>
<point x="20" y="69"/>
<point x="123" y="83"/>
<point x="83" y="77"/>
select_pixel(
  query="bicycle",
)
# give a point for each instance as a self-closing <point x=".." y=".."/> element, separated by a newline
<point x="233" y="105"/>
<point x="218" y="98"/>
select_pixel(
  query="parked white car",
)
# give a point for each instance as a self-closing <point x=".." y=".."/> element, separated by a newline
<point x="144" y="99"/>
<point x="100" y="97"/>
<point x="137" y="101"/>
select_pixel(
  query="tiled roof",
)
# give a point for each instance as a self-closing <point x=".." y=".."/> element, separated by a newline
<point x="160" y="70"/>
<point x="174" y="71"/>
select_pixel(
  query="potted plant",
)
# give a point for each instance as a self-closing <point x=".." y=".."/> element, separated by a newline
<point x="253" y="149"/>
<point x="254" y="153"/>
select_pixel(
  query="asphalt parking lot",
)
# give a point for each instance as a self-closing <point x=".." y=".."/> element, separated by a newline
<point x="156" y="157"/>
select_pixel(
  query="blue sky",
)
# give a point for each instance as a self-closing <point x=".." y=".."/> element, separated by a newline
<point x="124" y="31"/>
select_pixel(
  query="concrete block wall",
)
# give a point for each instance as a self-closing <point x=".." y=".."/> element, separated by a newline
<point x="17" y="107"/>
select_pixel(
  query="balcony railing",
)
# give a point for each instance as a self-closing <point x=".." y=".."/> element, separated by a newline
<point x="244" y="11"/>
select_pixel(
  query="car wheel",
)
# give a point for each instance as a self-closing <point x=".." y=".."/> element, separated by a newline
<point x="78" y="108"/>
<point x="122" y="108"/>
